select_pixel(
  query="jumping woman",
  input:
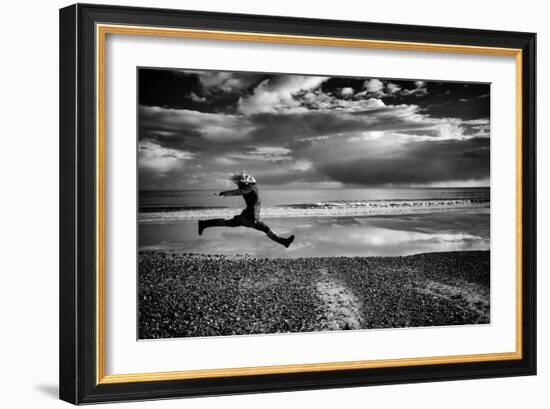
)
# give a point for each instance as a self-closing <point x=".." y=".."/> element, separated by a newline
<point x="250" y="216"/>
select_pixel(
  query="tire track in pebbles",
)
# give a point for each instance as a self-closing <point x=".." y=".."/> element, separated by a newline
<point x="340" y="308"/>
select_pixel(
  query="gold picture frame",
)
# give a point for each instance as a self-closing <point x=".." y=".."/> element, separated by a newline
<point x="100" y="22"/>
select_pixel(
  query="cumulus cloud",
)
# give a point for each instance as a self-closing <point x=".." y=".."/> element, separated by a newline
<point x="373" y="85"/>
<point x="419" y="90"/>
<point x="277" y="94"/>
<point x="392" y="88"/>
<point x="378" y="89"/>
<point x="214" y="81"/>
<point x="321" y="101"/>
<point x="347" y="92"/>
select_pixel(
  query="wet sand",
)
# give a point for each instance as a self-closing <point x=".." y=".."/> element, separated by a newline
<point x="192" y="295"/>
<point x="397" y="235"/>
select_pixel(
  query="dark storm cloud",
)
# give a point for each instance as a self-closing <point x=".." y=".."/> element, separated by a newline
<point x="419" y="162"/>
<point x="207" y="91"/>
<point x="195" y="127"/>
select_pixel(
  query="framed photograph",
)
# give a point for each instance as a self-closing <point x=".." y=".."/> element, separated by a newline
<point x="257" y="203"/>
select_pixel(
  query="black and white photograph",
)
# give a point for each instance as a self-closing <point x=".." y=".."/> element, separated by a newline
<point x="290" y="203"/>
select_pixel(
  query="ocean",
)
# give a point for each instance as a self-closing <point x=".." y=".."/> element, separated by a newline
<point x="326" y="222"/>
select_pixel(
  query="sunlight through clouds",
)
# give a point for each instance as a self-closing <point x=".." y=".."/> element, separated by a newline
<point x="292" y="129"/>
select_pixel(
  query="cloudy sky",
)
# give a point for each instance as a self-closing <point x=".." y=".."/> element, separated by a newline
<point x="196" y="127"/>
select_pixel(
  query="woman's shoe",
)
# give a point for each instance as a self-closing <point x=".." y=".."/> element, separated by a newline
<point x="288" y="241"/>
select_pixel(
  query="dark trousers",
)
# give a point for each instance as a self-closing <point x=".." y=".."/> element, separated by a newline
<point x="244" y="220"/>
<point x="241" y="220"/>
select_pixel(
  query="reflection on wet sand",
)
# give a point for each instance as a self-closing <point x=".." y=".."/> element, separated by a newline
<point x="331" y="236"/>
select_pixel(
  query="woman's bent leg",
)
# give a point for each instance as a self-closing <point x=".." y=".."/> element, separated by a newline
<point x="259" y="225"/>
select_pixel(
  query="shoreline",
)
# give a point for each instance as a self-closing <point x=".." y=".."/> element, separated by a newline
<point x="191" y="295"/>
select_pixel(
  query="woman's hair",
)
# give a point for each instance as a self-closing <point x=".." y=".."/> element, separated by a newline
<point x="242" y="179"/>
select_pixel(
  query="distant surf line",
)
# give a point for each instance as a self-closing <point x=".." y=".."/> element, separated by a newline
<point x="317" y="209"/>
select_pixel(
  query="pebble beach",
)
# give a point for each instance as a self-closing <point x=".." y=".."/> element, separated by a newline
<point x="193" y="295"/>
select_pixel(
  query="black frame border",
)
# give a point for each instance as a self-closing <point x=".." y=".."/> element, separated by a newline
<point x="78" y="197"/>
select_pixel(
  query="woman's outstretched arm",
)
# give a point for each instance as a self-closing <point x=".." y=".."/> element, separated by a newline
<point x="236" y="192"/>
